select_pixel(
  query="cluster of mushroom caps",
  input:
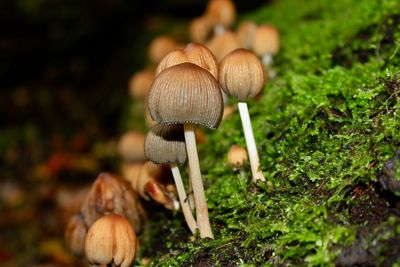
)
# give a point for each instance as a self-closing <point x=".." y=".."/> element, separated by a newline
<point x="186" y="86"/>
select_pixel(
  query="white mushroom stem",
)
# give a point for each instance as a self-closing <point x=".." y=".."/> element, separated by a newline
<point x="267" y="59"/>
<point x="190" y="198"/>
<point x="200" y="201"/>
<point x="219" y="29"/>
<point x="191" y="222"/>
<point x="250" y="142"/>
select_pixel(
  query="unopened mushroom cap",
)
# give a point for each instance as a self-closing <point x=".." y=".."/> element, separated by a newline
<point x="160" y="46"/>
<point x="194" y="53"/>
<point x="241" y="74"/>
<point x="245" y="33"/>
<point x="166" y="144"/>
<point x="221" y="12"/>
<point x="237" y="156"/>
<point x="222" y="44"/>
<point x="186" y="93"/>
<point x="130" y="146"/>
<point x="200" y="29"/>
<point x="111" y="240"/>
<point x="140" y="83"/>
<point x="266" y="40"/>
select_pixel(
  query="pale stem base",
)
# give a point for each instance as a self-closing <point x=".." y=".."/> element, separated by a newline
<point x="250" y="142"/>
<point x="191" y="222"/>
<point x="200" y="201"/>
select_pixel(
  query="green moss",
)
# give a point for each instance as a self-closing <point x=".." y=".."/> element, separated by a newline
<point x="325" y="125"/>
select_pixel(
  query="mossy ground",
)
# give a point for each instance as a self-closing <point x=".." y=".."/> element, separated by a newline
<point x="324" y="128"/>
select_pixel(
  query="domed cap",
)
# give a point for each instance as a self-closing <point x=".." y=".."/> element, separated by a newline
<point x="130" y="146"/>
<point x="160" y="46"/>
<point x="165" y="144"/>
<point x="241" y="74"/>
<point x="194" y="53"/>
<point x="237" y="156"/>
<point x="186" y="93"/>
<point x="140" y="83"/>
<point x="245" y="33"/>
<point x="221" y="12"/>
<point x="266" y="40"/>
<point x="222" y="44"/>
<point x="200" y="29"/>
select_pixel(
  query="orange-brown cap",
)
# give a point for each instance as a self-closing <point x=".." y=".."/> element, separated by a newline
<point x="221" y="12"/>
<point x="75" y="234"/>
<point x="237" y="156"/>
<point x="266" y="40"/>
<point x="194" y="53"/>
<point x="200" y="29"/>
<point x="160" y="46"/>
<point x="130" y="146"/>
<point x="241" y="74"/>
<point x="140" y="83"/>
<point x="166" y="144"/>
<point x="186" y="93"/>
<point x="222" y="44"/>
<point x="245" y="33"/>
<point x="111" y="240"/>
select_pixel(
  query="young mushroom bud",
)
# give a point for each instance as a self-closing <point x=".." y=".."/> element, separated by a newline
<point x="75" y="234"/>
<point x="130" y="146"/>
<point x="111" y="241"/>
<point x="245" y="33"/>
<point x="237" y="156"/>
<point x="160" y="46"/>
<point x="188" y="94"/>
<point x="266" y="43"/>
<point x="111" y="194"/>
<point x="166" y="144"/>
<point x="242" y="76"/>
<point x="223" y="44"/>
<point x="222" y="14"/>
<point x="140" y="83"/>
<point x="199" y="29"/>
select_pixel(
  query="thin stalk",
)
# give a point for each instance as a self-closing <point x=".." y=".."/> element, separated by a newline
<point x="250" y="142"/>
<point x="200" y="201"/>
<point x="187" y="213"/>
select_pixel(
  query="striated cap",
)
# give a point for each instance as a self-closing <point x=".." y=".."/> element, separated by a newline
<point x="140" y="83"/>
<point x="166" y="144"/>
<point x="245" y="33"/>
<point x="160" y="46"/>
<point x="130" y="146"/>
<point x="200" y="29"/>
<point x="194" y="53"/>
<point x="111" y="240"/>
<point x="266" y="40"/>
<point x="237" y="156"/>
<point x="222" y="44"/>
<point x="75" y="234"/>
<point x="241" y="74"/>
<point x="221" y="12"/>
<point x="186" y="93"/>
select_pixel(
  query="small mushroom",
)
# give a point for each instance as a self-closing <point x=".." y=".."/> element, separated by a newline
<point x="160" y="46"/>
<point x="199" y="29"/>
<point x="111" y="241"/>
<point x="237" y="156"/>
<point x="75" y="234"/>
<point x="188" y="94"/>
<point x="242" y="76"/>
<point x="130" y="146"/>
<point x="222" y="44"/>
<point x="222" y="14"/>
<point x="266" y="43"/>
<point x="140" y="83"/>
<point x="165" y="144"/>
<point x="245" y="33"/>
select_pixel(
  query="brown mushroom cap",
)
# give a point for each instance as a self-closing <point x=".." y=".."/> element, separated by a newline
<point x="140" y="83"/>
<point x="194" y="53"/>
<point x="160" y="46"/>
<point x="245" y="33"/>
<point x="241" y="74"/>
<point x="237" y="156"/>
<point x="165" y="144"/>
<point x="186" y="93"/>
<point x="130" y="146"/>
<point x="200" y="29"/>
<point x="222" y="44"/>
<point x="221" y="12"/>
<point x="266" y="40"/>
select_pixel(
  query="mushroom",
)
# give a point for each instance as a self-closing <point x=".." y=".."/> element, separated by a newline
<point x="160" y="46"/>
<point x="130" y="146"/>
<point x="237" y="157"/>
<point x="140" y="83"/>
<point x="241" y="74"/>
<point x="222" y="14"/>
<point x="199" y="29"/>
<point x="266" y="43"/>
<point x="245" y="33"/>
<point x="111" y="241"/>
<point x="165" y="144"/>
<point x="222" y="44"/>
<point x="75" y="234"/>
<point x="188" y="94"/>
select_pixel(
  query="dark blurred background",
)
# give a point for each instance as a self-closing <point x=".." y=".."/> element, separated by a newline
<point x="64" y="72"/>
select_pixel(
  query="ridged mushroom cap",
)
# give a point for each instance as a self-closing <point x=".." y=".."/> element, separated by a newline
<point x="221" y="12"/>
<point x="194" y="53"/>
<point x="186" y="93"/>
<point x="245" y="33"/>
<point x="222" y="44"/>
<point x="166" y="144"/>
<point x="266" y="40"/>
<point x="140" y="83"/>
<point x="241" y="74"/>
